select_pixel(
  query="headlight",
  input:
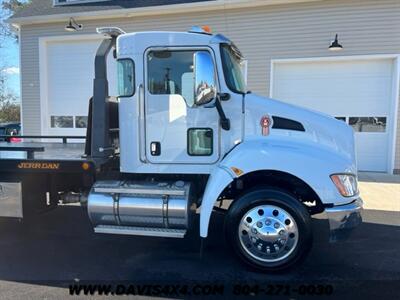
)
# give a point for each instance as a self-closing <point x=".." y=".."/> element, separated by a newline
<point x="346" y="184"/>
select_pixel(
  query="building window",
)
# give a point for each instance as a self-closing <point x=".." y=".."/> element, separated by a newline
<point x="81" y="121"/>
<point x="368" y="124"/>
<point x="171" y="73"/>
<point x="200" y="141"/>
<point x="62" y="122"/>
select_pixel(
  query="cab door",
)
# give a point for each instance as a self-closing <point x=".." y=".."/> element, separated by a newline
<point x="178" y="130"/>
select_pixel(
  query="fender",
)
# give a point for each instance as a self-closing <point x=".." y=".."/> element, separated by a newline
<point x="217" y="182"/>
<point x="311" y="162"/>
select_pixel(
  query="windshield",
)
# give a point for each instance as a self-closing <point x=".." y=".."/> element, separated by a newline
<point x="232" y="65"/>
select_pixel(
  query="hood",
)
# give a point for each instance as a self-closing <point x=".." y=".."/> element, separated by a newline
<point x="303" y="125"/>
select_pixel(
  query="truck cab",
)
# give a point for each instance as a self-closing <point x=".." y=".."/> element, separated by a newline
<point x="185" y="116"/>
<point x="169" y="94"/>
<point x="186" y="137"/>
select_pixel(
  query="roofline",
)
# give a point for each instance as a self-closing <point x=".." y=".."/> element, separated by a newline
<point x="151" y="10"/>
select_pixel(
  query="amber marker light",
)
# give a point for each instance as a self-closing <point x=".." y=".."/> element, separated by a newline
<point x="237" y="171"/>
<point x="85" y="166"/>
<point x="206" y="28"/>
<point x="346" y="184"/>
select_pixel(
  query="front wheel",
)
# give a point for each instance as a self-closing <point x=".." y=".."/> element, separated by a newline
<point x="269" y="229"/>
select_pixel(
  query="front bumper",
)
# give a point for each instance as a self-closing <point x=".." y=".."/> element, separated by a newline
<point x="343" y="218"/>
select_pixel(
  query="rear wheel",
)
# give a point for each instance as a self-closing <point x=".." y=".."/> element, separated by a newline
<point x="269" y="229"/>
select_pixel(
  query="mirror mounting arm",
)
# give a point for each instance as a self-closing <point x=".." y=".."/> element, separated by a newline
<point x="224" y="96"/>
<point x="225" y="122"/>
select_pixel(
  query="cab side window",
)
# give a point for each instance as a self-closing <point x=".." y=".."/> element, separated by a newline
<point x="126" y="78"/>
<point x="200" y="141"/>
<point x="171" y="73"/>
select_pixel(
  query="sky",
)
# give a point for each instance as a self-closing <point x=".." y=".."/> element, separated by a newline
<point x="9" y="62"/>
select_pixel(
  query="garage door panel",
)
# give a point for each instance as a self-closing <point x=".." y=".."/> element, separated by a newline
<point x="345" y="68"/>
<point x="343" y="88"/>
<point x="372" y="149"/>
<point x="327" y="93"/>
<point x="70" y="73"/>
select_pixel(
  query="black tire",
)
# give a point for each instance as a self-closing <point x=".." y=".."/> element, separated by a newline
<point x="283" y="200"/>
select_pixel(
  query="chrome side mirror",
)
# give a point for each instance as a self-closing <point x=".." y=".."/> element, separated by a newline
<point x="205" y="88"/>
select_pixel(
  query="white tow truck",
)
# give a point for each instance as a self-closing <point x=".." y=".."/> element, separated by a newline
<point x="183" y="135"/>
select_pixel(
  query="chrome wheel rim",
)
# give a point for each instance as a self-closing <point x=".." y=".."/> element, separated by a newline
<point x="268" y="233"/>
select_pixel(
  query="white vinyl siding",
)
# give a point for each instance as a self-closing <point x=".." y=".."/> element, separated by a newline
<point x="69" y="2"/>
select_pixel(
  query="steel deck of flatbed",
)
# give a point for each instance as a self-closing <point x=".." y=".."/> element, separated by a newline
<point x="45" y="151"/>
<point x="44" y="157"/>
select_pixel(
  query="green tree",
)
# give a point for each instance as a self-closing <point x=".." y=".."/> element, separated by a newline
<point x="9" y="107"/>
<point x="10" y="112"/>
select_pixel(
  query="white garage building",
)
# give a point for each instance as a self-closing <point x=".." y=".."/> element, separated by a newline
<point x="285" y="42"/>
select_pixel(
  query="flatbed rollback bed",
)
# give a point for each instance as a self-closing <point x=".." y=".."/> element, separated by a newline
<point x="43" y="169"/>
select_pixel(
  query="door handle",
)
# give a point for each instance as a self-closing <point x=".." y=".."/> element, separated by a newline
<point x="155" y="148"/>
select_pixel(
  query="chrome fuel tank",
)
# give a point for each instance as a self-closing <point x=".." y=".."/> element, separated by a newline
<point x="142" y="204"/>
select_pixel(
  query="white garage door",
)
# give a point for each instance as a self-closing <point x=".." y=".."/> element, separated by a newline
<point x="357" y="91"/>
<point x="70" y="73"/>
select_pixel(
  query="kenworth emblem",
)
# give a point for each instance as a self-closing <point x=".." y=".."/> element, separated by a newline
<point x="265" y="123"/>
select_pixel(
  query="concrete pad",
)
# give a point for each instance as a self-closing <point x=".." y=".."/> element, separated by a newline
<point x="378" y="177"/>
<point x="380" y="191"/>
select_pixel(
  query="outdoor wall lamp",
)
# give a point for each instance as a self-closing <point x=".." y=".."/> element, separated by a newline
<point x="335" y="46"/>
<point x="73" y="25"/>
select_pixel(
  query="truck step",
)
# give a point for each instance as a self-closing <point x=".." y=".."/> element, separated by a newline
<point x="141" y="231"/>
